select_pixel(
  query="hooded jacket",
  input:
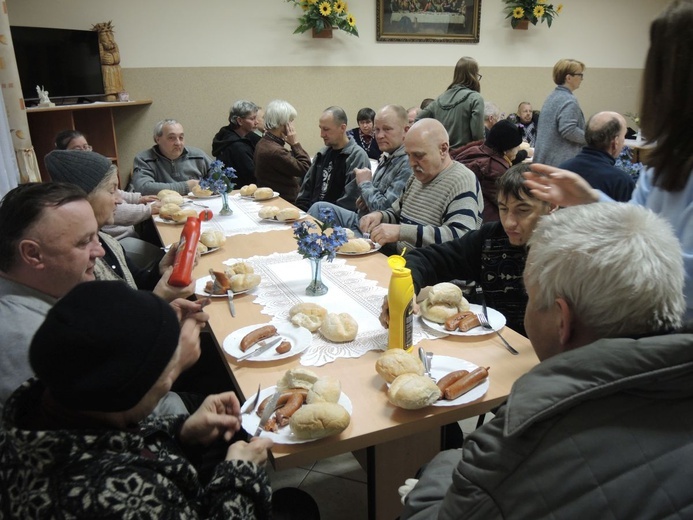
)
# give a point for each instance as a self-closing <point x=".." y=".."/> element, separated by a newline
<point x="461" y="111"/>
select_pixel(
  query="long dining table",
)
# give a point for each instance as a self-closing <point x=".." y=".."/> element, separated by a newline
<point x="390" y="443"/>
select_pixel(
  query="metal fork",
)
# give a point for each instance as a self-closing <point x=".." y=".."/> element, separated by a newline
<point x="485" y="324"/>
<point x="251" y="408"/>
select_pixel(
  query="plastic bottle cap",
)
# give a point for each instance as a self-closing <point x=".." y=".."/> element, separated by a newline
<point x="396" y="262"/>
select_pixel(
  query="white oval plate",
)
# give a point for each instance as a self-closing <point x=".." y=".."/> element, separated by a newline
<point x="252" y="197"/>
<point x="374" y="247"/>
<point x="200" y="288"/>
<point x="283" y="435"/>
<point x="495" y="318"/>
<point x="302" y="214"/>
<point x="443" y="365"/>
<point x="209" y="249"/>
<point x="161" y="220"/>
<point x="299" y="337"/>
<point x="191" y="195"/>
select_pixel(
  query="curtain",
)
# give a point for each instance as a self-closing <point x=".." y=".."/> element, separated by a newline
<point x="18" y="160"/>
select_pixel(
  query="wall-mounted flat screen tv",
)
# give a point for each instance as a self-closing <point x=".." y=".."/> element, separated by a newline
<point x="65" y="62"/>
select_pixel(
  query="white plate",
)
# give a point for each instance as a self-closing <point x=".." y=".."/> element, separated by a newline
<point x="374" y="247"/>
<point x="160" y="220"/>
<point x="252" y="197"/>
<point x="495" y="318"/>
<point x="209" y="249"/>
<point x="302" y="215"/>
<point x="299" y="337"/>
<point x="283" y="435"/>
<point x="191" y="195"/>
<point x="200" y="288"/>
<point x="443" y="365"/>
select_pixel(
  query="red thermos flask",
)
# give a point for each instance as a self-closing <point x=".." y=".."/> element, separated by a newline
<point x="185" y="254"/>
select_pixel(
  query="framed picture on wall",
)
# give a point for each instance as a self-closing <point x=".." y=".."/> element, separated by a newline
<point x="439" y="21"/>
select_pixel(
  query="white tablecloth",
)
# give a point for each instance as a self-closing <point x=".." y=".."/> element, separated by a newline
<point x="285" y="277"/>
<point x="245" y="219"/>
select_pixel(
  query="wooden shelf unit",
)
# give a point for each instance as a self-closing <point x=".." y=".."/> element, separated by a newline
<point x="95" y="120"/>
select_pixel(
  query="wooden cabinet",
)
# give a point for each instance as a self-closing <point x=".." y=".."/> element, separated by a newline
<point x="95" y="120"/>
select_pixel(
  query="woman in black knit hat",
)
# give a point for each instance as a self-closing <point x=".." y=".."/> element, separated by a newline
<point x="95" y="174"/>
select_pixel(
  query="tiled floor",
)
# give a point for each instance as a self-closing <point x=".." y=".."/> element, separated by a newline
<point x="337" y="484"/>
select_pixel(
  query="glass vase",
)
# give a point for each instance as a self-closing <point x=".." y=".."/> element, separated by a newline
<point x="316" y="287"/>
<point x="225" y="209"/>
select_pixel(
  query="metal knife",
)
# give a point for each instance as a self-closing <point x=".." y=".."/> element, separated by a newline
<point x="232" y="307"/>
<point x="267" y="413"/>
<point x="264" y="347"/>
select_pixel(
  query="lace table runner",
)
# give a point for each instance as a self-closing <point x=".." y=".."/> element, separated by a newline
<point x="284" y="280"/>
<point x="245" y="219"/>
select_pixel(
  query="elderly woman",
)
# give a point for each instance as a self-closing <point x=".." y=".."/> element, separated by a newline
<point x="561" y="125"/>
<point x="234" y="143"/>
<point x="135" y="208"/>
<point x="277" y="167"/>
<point x="79" y="441"/>
<point x="460" y="108"/>
<point x="96" y="175"/>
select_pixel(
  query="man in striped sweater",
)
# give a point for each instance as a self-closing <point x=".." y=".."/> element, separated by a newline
<point x="441" y="201"/>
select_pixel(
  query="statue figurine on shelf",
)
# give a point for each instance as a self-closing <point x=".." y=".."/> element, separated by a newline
<point x="110" y="61"/>
<point x="43" y="97"/>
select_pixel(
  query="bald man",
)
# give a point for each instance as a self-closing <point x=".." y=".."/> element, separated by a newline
<point x="441" y="201"/>
<point x="605" y="135"/>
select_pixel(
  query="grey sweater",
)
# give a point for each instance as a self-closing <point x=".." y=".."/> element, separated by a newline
<point x="152" y="172"/>
<point x="561" y="128"/>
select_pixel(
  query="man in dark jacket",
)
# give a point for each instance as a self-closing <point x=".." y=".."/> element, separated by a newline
<point x="605" y="134"/>
<point x="600" y="428"/>
<point x="234" y="144"/>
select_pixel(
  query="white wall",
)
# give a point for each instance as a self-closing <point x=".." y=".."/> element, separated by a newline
<point x="235" y="33"/>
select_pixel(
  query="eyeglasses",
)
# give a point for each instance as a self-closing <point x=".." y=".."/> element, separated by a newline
<point x="579" y="74"/>
<point x="479" y="76"/>
<point x="84" y="148"/>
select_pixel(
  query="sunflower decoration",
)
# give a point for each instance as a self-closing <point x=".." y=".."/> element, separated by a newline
<point x="324" y="14"/>
<point x="535" y="11"/>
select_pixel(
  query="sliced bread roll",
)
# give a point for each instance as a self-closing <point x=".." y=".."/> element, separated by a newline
<point x="183" y="214"/>
<point x="318" y="420"/>
<point x="297" y="378"/>
<point x="356" y="245"/>
<point x="244" y="282"/>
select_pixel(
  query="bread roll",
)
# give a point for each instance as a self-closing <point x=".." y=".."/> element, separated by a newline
<point x="163" y="193"/>
<point x="311" y="309"/>
<point x="201" y="248"/>
<point x="446" y="293"/>
<point x="312" y="323"/>
<point x="437" y="313"/>
<point x="318" y="420"/>
<point x="297" y="378"/>
<point x="241" y="268"/>
<point x="263" y="193"/>
<point x="339" y="327"/>
<point x="412" y="391"/>
<point x="268" y="211"/>
<point x="288" y="214"/>
<point x="325" y="390"/>
<point x="213" y="238"/>
<point x="183" y="214"/>
<point x="198" y="191"/>
<point x="395" y="362"/>
<point x="172" y="198"/>
<point x="349" y="233"/>
<point x="248" y="190"/>
<point x="244" y="282"/>
<point x="356" y="245"/>
<point x="167" y="210"/>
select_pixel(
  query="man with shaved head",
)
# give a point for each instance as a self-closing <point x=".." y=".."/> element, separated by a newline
<point x="605" y="135"/>
<point x="441" y="201"/>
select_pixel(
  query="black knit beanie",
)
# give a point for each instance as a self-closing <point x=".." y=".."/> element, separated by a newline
<point x="85" y="169"/>
<point x="503" y="136"/>
<point x="103" y="346"/>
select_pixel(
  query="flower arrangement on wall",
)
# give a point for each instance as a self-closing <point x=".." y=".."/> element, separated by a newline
<point x="323" y="14"/>
<point x="534" y="11"/>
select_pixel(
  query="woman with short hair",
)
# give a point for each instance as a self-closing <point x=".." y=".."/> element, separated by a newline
<point x="234" y="144"/>
<point x="277" y="167"/>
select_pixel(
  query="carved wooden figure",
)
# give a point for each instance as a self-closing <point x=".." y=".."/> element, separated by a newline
<point x="110" y="61"/>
